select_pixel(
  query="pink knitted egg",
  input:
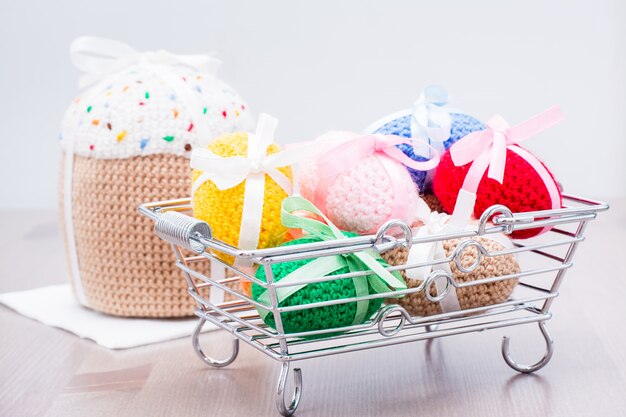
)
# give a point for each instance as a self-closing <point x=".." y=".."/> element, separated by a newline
<point x="361" y="182"/>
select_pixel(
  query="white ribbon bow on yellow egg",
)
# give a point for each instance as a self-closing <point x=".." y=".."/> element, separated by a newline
<point x="228" y="172"/>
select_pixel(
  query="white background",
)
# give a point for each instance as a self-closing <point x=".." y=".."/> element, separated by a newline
<point x="323" y="65"/>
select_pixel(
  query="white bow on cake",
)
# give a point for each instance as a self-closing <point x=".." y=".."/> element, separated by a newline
<point x="99" y="57"/>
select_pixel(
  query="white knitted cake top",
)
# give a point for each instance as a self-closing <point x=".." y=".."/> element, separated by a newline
<point x="141" y="112"/>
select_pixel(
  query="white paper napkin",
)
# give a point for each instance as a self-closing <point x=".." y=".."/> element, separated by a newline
<point x="56" y="306"/>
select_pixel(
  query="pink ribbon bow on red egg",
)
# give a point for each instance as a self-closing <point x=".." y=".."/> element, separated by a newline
<point x="487" y="150"/>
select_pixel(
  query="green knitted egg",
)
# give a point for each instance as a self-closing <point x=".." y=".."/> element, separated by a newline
<point x="319" y="318"/>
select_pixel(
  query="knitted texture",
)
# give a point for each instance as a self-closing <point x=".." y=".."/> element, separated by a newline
<point x="222" y="209"/>
<point x="469" y="297"/>
<point x="433" y="202"/>
<point x="139" y="113"/>
<point x="319" y="318"/>
<point x="112" y="126"/>
<point x="361" y="199"/>
<point x="125" y="269"/>
<point x="462" y="125"/>
<point x="522" y="189"/>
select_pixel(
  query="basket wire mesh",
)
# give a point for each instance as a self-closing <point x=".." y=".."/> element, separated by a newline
<point x="544" y="261"/>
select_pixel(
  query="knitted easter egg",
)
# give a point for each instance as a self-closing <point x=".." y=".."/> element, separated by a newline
<point x="408" y="124"/>
<point x="362" y="195"/>
<point x="462" y="124"/>
<point x="468" y="297"/>
<point x="127" y="139"/>
<point x="433" y="202"/>
<point x="222" y="209"/>
<point x="523" y="188"/>
<point x="328" y="317"/>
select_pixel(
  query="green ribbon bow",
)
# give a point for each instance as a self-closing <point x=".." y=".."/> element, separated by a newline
<point x="381" y="282"/>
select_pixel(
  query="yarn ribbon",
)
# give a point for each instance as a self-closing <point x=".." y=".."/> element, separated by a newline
<point x="228" y="172"/>
<point x="486" y="150"/>
<point x="431" y="121"/>
<point x="349" y="153"/>
<point x="381" y="281"/>
<point x="100" y="58"/>
<point x="433" y="223"/>
<point x="420" y="253"/>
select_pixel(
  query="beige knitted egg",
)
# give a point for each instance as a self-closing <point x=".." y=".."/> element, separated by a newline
<point x="469" y="297"/>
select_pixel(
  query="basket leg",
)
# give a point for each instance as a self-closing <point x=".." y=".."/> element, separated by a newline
<point x="206" y="359"/>
<point x="280" y="390"/>
<point x="431" y="327"/>
<point x="534" y="367"/>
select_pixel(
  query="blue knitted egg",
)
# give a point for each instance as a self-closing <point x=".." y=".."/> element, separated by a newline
<point x="462" y="125"/>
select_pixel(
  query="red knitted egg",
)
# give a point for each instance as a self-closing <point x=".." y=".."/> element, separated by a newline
<point x="522" y="189"/>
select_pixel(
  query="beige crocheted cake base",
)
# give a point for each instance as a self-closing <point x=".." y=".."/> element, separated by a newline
<point x="469" y="297"/>
<point x="125" y="269"/>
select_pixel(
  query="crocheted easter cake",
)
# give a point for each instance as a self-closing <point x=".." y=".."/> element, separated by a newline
<point x="126" y="141"/>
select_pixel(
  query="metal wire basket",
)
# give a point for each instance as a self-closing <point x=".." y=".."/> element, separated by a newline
<point x="544" y="261"/>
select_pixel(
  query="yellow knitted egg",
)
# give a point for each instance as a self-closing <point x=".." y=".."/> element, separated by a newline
<point x="222" y="209"/>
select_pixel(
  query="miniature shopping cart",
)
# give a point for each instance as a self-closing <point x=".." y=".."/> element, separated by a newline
<point x="544" y="261"/>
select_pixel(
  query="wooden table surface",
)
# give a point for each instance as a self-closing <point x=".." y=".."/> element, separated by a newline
<point x="48" y="372"/>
